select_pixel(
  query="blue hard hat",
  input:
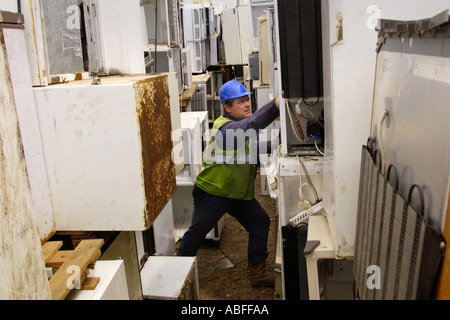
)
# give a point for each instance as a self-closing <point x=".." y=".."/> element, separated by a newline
<point x="232" y="90"/>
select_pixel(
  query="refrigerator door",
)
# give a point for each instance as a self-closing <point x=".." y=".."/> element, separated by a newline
<point x="107" y="149"/>
<point x="230" y="24"/>
<point x="192" y="148"/>
<point x="194" y="22"/>
<point x="120" y="35"/>
<point x="244" y="20"/>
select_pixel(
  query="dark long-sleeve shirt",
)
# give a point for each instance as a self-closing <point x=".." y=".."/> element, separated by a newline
<point x="259" y="120"/>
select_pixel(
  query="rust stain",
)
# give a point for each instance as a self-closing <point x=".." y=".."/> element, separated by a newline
<point x="35" y="43"/>
<point x="153" y="110"/>
<point x="49" y="235"/>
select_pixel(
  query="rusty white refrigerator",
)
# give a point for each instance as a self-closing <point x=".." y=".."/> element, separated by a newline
<point x="107" y="150"/>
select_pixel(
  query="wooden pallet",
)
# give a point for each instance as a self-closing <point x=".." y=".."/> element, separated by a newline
<point x="68" y="263"/>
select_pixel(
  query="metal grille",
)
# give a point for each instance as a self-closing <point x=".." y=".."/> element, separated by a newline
<point x="396" y="252"/>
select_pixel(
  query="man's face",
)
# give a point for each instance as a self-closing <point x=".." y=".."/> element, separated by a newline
<point x="240" y="108"/>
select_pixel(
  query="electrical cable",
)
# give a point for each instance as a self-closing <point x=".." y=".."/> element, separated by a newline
<point x="300" y="112"/>
<point x="311" y="105"/>
<point x="300" y="192"/>
<point x="290" y="112"/>
<point x="317" y="147"/>
<point x="311" y="185"/>
<point x="314" y="119"/>
<point x="312" y="115"/>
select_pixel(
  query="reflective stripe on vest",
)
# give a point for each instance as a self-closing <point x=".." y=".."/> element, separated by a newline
<point x="244" y="154"/>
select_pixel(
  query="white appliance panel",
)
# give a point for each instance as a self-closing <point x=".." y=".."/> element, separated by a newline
<point x="121" y="37"/>
<point x="198" y="55"/>
<point x="29" y="128"/>
<point x="194" y="22"/>
<point x="94" y="155"/>
<point x="230" y="26"/>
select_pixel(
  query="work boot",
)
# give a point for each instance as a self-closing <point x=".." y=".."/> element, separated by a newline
<point x="259" y="277"/>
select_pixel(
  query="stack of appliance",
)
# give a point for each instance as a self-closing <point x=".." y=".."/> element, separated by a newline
<point x="107" y="182"/>
<point x="84" y="39"/>
<point x="236" y="35"/>
<point x="162" y="40"/>
<point x="195" y="35"/>
<point x="194" y="127"/>
<point x="212" y="30"/>
<point x="301" y="73"/>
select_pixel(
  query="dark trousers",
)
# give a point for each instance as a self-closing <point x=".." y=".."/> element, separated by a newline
<point x="208" y="210"/>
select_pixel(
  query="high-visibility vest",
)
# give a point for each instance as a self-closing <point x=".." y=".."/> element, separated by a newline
<point x="227" y="173"/>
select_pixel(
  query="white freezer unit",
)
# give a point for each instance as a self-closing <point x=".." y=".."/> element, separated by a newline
<point x="195" y="130"/>
<point x="115" y="30"/>
<point x="198" y="55"/>
<point x="212" y="52"/>
<point x="262" y="94"/>
<point x="183" y="208"/>
<point x="107" y="151"/>
<point x="236" y="26"/>
<point x="350" y="102"/>
<point x="300" y="184"/>
<point x="230" y="37"/>
<point x="202" y="117"/>
<point x="265" y="64"/>
<point x="162" y="25"/>
<point x="203" y="98"/>
<point x="112" y="284"/>
<point x="186" y="66"/>
<point x="413" y="136"/>
<point x="78" y="46"/>
<point x="191" y="130"/>
<point x="345" y="102"/>
<point x="168" y="59"/>
<point x="199" y="98"/>
<point x="170" y="278"/>
<point x="207" y="79"/>
<point x="257" y="9"/>
<point x="194" y="22"/>
<point x="61" y="54"/>
<point x="293" y="173"/>
<point x="160" y="241"/>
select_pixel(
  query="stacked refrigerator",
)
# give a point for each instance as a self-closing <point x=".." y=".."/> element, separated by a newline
<point x="195" y="35"/>
<point x="107" y="149"/>
<point x="195" y="129"/>
<point x="84" y="39"/>
<point x="236" y="35"/>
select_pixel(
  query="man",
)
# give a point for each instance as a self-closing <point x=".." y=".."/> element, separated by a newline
<point x="226" y="184"/>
